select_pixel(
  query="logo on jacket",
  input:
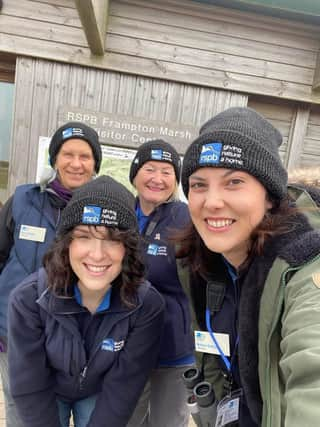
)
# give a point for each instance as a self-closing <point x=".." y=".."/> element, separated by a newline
<point x="109" y="344"/>
<point x="157" y="250"/>
<point x="210" y="153"/>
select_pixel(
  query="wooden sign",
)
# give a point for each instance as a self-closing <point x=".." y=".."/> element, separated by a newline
<point x="129" y="131"/>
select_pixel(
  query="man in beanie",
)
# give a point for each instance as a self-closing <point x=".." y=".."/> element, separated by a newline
<point x="29" y="218"/>
<point x="75" y="131"/>
<point x="84" y="331"/>
<point x="253" y="260"/>
<point x="155" y="174"/>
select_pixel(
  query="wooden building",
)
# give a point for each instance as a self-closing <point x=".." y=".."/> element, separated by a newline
<point x="176" y="62"/>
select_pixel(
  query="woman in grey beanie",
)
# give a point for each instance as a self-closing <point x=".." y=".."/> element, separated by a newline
<point x="252" y="258"/>
<point x="84" y="331"/>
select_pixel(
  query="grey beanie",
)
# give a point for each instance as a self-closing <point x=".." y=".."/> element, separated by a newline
<point x="102" y="201"/>
<point x="75" y="130"/>
<point x="239" y="138"/>
<point x="155" y="150"/>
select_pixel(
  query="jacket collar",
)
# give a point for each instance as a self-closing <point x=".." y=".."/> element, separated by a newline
<point x="56" y="305"/>
<point x="63" y="310"/>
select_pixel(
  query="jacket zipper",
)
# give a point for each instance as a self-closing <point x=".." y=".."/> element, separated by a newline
<point x="83" y="375"/>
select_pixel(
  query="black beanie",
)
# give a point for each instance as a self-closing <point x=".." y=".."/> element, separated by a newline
<point x="238" y="138"/>
<point x="156" y="150"/>
<point x="75" y="130"/>
<point x="102" y="201"/>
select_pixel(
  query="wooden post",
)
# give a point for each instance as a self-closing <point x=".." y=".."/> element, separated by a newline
<point x="316" y="79"/>
<point x="93" y="15"/>
<point x="297" y="134"/>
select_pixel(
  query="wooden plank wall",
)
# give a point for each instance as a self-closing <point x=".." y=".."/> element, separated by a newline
<point x="280" y="114"/>
<point x="177" y="40"/>
<point x="311" y="145"/>
<point x="299" y="125"/>
<point x="42" y="87"/>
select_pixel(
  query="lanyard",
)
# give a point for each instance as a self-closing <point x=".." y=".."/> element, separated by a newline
<point x="224" y="358"/>
<point x="222" y="355"/>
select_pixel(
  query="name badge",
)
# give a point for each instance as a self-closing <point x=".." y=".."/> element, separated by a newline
<point x="36" y="234"/>
<point x="205" y="344"/>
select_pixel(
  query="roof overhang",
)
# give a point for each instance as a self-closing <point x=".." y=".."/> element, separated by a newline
<point x="302" y="10"/>
<point x="94" y="16"/>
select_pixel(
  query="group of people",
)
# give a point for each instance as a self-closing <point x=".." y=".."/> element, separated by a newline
<point x="104" y="296"/>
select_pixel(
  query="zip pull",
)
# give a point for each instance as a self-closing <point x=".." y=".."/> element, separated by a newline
<point x="83" y="375"/>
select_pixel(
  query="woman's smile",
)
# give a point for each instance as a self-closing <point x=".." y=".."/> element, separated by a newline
<point x="219" y="224"/>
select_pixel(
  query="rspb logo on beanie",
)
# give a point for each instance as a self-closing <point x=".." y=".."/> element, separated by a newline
<point x="210" y="153"/>
<point x="72" y="132"/>
<point x="91" y="215"/>
<point x="161" y="155"/>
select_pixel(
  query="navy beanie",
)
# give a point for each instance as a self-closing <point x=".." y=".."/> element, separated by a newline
<point x="102" y="201"/>
<point x="155" y="150"/>
<point x="75" y="130"/>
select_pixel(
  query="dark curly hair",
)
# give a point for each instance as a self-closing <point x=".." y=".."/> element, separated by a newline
<point x="61" y="277"/>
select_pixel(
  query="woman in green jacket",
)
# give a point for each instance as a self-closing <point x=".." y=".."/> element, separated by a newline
<point x="253" y="258"/>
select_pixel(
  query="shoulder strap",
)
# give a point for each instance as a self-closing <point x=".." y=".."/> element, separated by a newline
<point x="207" y="363"/>
<point x="184" y="278"/>
<point x="215" y="295"/>
<point x="152" y="223"/>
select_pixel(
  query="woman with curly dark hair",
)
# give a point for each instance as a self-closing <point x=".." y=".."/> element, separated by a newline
<point x="85" y="330"/>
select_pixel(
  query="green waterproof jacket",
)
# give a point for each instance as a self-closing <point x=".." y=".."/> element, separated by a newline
<point x="279" y="324"/>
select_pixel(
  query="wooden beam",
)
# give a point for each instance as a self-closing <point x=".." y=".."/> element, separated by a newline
<point x="297" y="135"/>
<point x="93" y="15"/>
<point x="316" y="78"/>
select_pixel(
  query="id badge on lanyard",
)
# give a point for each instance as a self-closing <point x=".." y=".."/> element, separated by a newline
<point x="228" y="408"/>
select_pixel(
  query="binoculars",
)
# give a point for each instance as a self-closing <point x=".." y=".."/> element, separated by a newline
<point x="201" y="400"/>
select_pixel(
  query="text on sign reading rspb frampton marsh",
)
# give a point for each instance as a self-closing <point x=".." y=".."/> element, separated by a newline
<point x="128" y="130"/>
